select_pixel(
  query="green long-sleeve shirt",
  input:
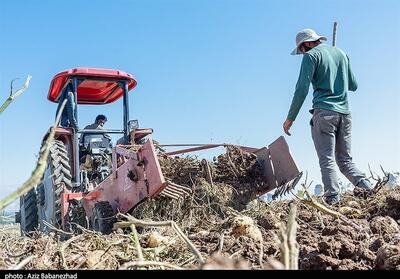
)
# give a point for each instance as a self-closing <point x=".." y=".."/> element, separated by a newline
<point x="328" y="69"/>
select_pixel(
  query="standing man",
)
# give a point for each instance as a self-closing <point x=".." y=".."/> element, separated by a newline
<point x="328" y="69"/>
<point x="68" y="116"/>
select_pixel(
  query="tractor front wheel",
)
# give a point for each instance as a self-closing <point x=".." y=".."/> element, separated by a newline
<point x="103" y="217"/>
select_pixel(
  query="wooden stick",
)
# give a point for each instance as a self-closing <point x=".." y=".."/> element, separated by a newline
<point x="335" y="24"/>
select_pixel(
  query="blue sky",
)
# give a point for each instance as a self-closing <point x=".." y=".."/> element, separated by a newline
<point x="207" y="71"/>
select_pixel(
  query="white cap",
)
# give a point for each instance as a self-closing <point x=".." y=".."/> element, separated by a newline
<point x="306" y="35"/>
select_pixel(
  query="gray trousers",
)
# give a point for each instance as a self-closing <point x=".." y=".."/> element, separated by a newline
<point x="331" y="133"/>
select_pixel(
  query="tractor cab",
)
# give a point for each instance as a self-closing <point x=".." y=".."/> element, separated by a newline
<point x="92" y="148"/>
<point x="89" y="86"/>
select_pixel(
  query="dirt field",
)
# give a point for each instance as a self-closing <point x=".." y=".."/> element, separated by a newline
<point x="227" y="232"/>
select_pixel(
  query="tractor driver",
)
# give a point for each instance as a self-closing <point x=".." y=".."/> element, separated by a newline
<point x="91" y="158"/>
<point x="98" y="124"/>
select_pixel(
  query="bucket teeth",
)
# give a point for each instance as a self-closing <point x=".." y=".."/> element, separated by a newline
<point x="287" y="187"/>
<point x="169" y="195"/>
<point x="176" y="191"/>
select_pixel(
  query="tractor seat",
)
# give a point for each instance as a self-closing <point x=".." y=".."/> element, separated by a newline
<point x="96" y="141"/>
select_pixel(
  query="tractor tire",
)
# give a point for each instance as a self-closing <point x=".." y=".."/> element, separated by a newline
<point x="18" y="217"/>
<point x="28" y="215"/>
<point x="56" y="178"/>
<point x="77" y="218"/>
<point x="103" y="217"/>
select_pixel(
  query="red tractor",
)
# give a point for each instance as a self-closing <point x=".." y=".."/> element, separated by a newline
<point x="88" y="180"/>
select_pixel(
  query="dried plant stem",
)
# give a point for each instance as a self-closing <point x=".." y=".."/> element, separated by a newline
<point x="148" y="263"/>
<point x="289" y="247"/>
<point x="12" y="96"/>
<point x="137" y="243"/>
<point x="64" y="246"/>
<point x="131" y="220"/>
<point x="310" y="201"/>
<point x="23" y="263"/>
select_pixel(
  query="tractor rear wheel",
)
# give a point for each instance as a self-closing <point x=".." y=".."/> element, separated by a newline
<point x="28" y="214"/>
<point x="57" y="177"/>
<point x="103" y="217"/>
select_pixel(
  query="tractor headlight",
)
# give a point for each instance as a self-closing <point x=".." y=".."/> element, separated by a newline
<point x="133" y="124"/>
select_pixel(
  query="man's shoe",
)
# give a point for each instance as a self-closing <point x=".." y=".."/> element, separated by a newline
<point x="365" y="185"/>
<point x="331" y="200"/>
